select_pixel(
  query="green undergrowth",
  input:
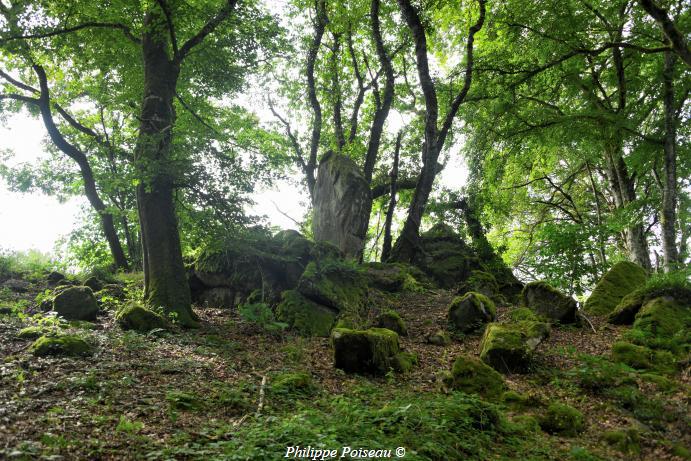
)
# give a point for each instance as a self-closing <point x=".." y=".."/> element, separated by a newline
<point x="429" y="426"/>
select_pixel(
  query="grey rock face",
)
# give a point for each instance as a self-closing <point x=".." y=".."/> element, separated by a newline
<point x="342" y="204"/>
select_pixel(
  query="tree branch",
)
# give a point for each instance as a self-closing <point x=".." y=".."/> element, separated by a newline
<point x="87" y="25"/>
<point x="208" y="28"/>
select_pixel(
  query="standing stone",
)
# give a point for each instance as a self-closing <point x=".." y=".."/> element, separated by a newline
<point x="342" y="204"/>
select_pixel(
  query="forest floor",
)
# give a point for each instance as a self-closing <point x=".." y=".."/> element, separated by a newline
<point x="212" y="393"/>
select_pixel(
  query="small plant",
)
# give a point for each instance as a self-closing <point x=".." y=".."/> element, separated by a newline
<point x="260" y="314"/>
<point x="129" y="427"/>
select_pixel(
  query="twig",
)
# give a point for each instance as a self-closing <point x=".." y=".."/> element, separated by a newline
<point x="580" y="314"/>
<point x="260" y="406"/>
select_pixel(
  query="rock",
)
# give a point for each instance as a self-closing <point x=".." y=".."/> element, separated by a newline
<point x="219" y="297"/>
<point x="549" y="302"/>
<point x="306" y="316"/>
<point x="136" y="317"/>
<point x="16" y="285"/>
<point x="31" y="332"/>
<point x="642" y="358"/>
<point x="112" y="290"/>
<point x="481" y="282"/>
<point x="54" y="277"/>
<point x="293" y="383"/>
<point x="619" y="281"/>
<point x="334" y="284"/>
<point x="562" y="419"/>
<point x="76" y="303"/>
<point x="67" y="345"/>
<point x="508" y="347"/>
<point x="342" y="204"/>
<point x="5" y="310"/>
<point x="522" y="313"/>
<point x="446" y="257"/>
<point x="663" y="317"/>
<point x="472" y="376"/>
<point x="94" y="283"/>
<point x="628" y="307"/>
<point x="403" y="362"/>
<point x="364" y="351"/>
<point x="392" y="321"/>
<point x="439" y="338"/>
<point x="394" y="277"/>
<point x="471" y="311"/>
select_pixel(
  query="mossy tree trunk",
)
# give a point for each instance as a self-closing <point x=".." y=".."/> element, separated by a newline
<point x="164" y="272"/>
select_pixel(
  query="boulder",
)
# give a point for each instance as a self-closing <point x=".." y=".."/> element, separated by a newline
<point x="628" y="307"/>
<point x="220" y="297"/>
<point x="306" y="316"/>
<point x="642" y="358"/>
<point x="370" y="351"/>
<point x="392" y="321"/>
<point x="481" y="282"/>
<point x="471" y="311"/>
<point x="65" y="345"/>
<point x="394" y="277"/>
<point x="623" y="278"/>
<point x="31" y="332"/>
<point x="445" y="257"/>
<point x="342" y="204"/>
<point x="54" y="277"/>
<point x="473" y="376"/>
<point x="663" y="317"/>
<point x="335" y="284"/>
<point x="16" y="285"/>
<point x="548" y="302"/>
<point x="76" y="303"/>
<point x="508" y="347"/>
<point x="94" y="283"/>
<point x="112" y="290"/>
<point x="136" y="317"/>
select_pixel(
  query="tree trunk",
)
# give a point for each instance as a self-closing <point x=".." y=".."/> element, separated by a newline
<point x="90" y="190"/>
<point x="164" y="272"/>
<point x="669" y="190"/>
<point x="386" y="246"/>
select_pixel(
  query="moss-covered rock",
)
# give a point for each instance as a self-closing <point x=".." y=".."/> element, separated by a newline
<point x="508" y="347"/>
<point x="54" y="277"/>
<point x="641" y="357"/>
<point x="394" y="277"/>
<point x="364" y="351"/>
<point x="31" y="332"/>
<point x="624" y="440"/>
<point x="76" y="303"/>
<point x="112" y="290"/>
<point x="481" y="282"/>
<point x="473" y="376"/>
<point x="523" y="313"/>
<point x="293" y="383"/>
<point x="134" y="316"/>
<point x="65" y="345"/>
<point x="562" y="419"/>
<point x="548" y="302"/>
<point x="619" y="281"/>
<point x="439" y="338"/>
<point x="94" y="283"/>
<point x="335" y="284"/>
<point x="306" y="316"/>
<point x="663" y="318"/>
<point x="471" y="311"/>
<point x="628" y="307"/>
<point x="446" y="257"/>
<point x="391" y="320"/>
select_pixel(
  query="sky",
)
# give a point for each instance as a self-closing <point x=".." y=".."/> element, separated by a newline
<point x="37" y="221"/>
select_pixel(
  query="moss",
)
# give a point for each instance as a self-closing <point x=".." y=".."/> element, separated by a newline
<point x="471" y="311"/>
<point x="619" y="281"/>
<point x="31" y="332"/>
<point x="134" y="316"/>
<point x="403" y="362"/>
<point x="335" y="284"/>
<point x="514" y="398"/>
<point x="522" y="313"/>
<point x="481" y="282"/>
<point x="68" y="345"/>
<point x="657" y="287"/>
<point x="525" y="424"/>
<point x="472" y="376"/>
<point x="663" y="317"/>
<point x="394" y="277"/>
<point x="364" y="351"/>
<point x="644" y="407"/>
<point x="293" y="383"/>
<point x="641" y="357"/>
<point x="187" y="401"/>
<point x="391" y="320"/>
<point x="548" y="302"/>
<point x="439" y="338"/>
<point x="626" y="441"/>
<point x="509" y="346"/>
<point x="562" y="419"/>
<point x="307" y="317"/>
